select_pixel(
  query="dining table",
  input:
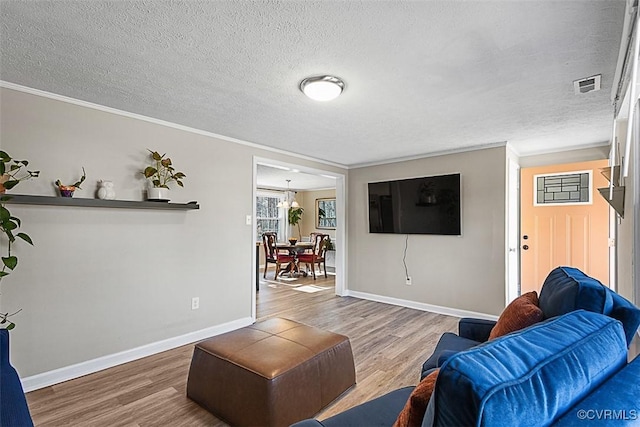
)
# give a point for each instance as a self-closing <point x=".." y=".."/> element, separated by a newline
<point x="293" y="269"/>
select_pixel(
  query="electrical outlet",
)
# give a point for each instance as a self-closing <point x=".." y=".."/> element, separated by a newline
<point x="407" y="280"/>
<point x="195" y="303"/>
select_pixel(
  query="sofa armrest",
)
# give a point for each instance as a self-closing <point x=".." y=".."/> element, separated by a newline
<point x="617" y="397"/>
<point x="382" y="411"/>
<point x="448" y="344"/>
<point x="308" y="423"/>
<point x="475" y="329"/>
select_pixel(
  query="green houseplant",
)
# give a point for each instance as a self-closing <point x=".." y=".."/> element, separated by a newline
<point x="12" y="171"/>
<point x="295" y="216"/>
<point x="159" y="175"/>
<point x="13" y="404"/>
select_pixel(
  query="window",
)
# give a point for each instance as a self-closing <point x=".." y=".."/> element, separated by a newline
<point x="572" y="188"/>
<point x="268" y="216"/>
<point x="326" y="213"/>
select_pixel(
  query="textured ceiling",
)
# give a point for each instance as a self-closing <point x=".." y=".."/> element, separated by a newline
<point x="421" y="76"/>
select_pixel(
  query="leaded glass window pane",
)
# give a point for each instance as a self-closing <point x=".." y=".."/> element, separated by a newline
<point x="567" y="188"/>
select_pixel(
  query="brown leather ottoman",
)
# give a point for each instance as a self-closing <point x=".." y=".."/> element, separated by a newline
<point x="273" y="373"/>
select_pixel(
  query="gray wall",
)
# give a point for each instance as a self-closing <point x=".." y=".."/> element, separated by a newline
<point x="467" y="272"/>
<point x="101" y="281"/>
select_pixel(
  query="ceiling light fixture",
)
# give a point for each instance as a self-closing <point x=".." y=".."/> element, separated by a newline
<point x="322" y="88"/>
<point x="285" y="203"/>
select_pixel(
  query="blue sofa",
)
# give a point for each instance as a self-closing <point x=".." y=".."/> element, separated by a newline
<point x="571" y="369"/>
<point x="564" y="290"/>
<point x="13" y="404"/>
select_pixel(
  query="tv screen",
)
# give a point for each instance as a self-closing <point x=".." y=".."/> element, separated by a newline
<point x="427" y="205"/>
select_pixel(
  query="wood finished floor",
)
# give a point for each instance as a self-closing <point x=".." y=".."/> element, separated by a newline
<point x="389" y="344"/>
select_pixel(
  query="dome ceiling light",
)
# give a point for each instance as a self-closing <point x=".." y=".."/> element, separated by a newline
<point x="322" y="88"/>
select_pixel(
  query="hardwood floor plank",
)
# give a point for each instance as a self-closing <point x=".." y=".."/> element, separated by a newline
<point x="389" y="344"/>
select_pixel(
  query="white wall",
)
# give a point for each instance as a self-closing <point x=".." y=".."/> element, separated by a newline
<point x="627" y="228"/>
<point x="102" y="281"/>
<point x="464" y="273"/>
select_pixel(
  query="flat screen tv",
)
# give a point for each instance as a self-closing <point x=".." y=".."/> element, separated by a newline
<point x="427" y="205"/>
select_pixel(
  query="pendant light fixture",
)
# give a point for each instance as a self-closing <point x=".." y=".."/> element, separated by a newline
<point x="285" y="204"/>
<point x="322" y="88"/>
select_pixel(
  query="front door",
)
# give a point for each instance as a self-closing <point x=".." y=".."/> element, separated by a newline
<point x="565" y="222"/>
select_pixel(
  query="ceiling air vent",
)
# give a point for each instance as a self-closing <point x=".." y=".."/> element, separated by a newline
<point x="587" y="85"/>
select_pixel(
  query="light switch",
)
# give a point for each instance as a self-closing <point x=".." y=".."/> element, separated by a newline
<point x="248" y="220"/>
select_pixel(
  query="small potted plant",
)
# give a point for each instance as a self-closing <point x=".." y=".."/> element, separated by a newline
<point x="160" y="174"/>
<point x="67" y="190"/>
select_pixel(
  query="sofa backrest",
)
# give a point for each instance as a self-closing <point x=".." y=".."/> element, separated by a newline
<point x="530" y="377"/>
<point x="567" y="289"/>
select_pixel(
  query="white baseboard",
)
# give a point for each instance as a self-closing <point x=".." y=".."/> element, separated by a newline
<point x="67" y="373"/>
<point x="420" y="305"/>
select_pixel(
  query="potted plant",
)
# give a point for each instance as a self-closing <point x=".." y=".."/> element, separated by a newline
<point x="295" y="216"/>
<point x="330" y="254"/>
<point x="12" y="172"/>
<point x="160" y="174"/>
<point x="13" y="404"/>
<point x="67" y="190"/>
<point x="330" y="246"/>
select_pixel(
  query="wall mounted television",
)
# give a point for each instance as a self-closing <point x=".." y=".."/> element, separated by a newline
<point x="426" y="205"/>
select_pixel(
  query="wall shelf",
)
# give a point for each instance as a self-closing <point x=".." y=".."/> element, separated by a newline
<point x="97" y="203"/>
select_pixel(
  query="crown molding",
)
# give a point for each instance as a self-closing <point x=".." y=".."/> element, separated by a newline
<point x="86" y="104"/>
<point x="427" y="155"/>
<point x="519" y="153"/>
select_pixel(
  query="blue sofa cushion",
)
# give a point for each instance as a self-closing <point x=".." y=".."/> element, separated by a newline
<point x="448" y="345"/>
<point x="379" y="412"/>
<point x="607" y="406"/>
<point x="530" y="377"/>
<point x="567" y="289"/>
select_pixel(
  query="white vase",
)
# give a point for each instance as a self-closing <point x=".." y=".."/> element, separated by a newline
<point x="105" y="190"/>
<point x="158" y="194"/>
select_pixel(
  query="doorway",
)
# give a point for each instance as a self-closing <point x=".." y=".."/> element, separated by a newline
<point x="305" y="185"/>
<point x="564" y="222"/>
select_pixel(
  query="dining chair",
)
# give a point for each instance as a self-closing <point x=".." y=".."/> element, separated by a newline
<point x="316" y="256"/>
<point x="272" y="255"/>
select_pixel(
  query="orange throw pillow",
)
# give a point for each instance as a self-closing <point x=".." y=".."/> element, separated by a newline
<point x="521" y="313"/>
<point x="415" y="408"/>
